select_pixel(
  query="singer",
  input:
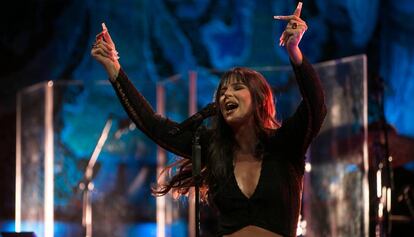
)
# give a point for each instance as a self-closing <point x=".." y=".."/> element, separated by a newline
<point x="252" y="166"/>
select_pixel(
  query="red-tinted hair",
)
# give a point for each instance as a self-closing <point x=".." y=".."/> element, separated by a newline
<point x="220" y="151"/>
<point x="262" y="96"/>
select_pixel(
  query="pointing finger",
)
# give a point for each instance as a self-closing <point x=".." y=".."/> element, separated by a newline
<point x="298" y="10"/>
<point x="104" y="28"/>
<point x="106" y="35"/>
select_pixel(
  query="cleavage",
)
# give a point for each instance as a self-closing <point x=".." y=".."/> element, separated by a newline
<point x="247" y="172"/>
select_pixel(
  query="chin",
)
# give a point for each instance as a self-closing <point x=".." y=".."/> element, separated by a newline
<point x="233" y="121"/>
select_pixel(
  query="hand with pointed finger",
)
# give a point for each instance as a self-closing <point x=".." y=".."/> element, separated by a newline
<point x="103" y="51"/>
<point x="293" y="32"/>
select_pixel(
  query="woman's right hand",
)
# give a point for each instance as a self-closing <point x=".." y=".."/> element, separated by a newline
<point x="103" y="50"/>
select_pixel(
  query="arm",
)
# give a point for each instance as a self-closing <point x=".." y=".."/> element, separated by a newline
<point x="153" y="125"/>
<point x="306" y="122"/>
<point x="134" y="103"/>
<point x="303" y="126"/>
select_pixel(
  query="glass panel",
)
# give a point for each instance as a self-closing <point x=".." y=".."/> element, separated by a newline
<point x="32" y="112"/>
<point x="335" y="190"/>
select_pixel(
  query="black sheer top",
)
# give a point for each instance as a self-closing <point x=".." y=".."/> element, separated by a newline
<point x="276" y="202"/>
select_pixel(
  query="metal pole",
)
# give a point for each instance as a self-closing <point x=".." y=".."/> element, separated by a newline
<point x="87" y="186"/>
<point x="161" y="160"/>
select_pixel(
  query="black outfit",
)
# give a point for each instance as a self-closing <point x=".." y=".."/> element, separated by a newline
<point x="275" y="204"/>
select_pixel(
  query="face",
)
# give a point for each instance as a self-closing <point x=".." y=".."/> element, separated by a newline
<point x="235" y="102"/>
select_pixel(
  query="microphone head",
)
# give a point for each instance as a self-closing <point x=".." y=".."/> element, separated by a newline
<point x="209" y="110"/>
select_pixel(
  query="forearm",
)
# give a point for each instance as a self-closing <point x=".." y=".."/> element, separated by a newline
<point x="153" y="125"/>
<point x="295" y="55"/>
<point x="312" y="93"/>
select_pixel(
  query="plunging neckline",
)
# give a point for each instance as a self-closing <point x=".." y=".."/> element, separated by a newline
<point x="257" y="185"/>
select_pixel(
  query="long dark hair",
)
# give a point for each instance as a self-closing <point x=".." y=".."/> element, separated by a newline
<point x="220" y="151"/>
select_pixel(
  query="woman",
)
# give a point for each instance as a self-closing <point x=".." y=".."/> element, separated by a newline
<point x="253" y="167"/>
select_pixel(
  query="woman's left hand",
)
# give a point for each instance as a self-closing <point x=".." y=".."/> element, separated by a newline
<point x="293" y="33"/>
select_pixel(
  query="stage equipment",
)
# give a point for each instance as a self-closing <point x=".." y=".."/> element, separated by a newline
<point x="87" y="185"/>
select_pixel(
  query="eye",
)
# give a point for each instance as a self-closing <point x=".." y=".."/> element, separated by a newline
<point x="239" y="87"/>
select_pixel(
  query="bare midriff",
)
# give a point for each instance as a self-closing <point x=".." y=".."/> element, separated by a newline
<point x="252" y="230"/>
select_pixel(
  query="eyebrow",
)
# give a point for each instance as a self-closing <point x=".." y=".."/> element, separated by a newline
<point x="232" y="84"/>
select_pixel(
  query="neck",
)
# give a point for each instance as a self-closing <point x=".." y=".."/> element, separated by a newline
<point x="245" y="136"/>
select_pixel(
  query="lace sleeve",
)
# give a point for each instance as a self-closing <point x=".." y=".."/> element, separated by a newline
<point x="153" y="125"/>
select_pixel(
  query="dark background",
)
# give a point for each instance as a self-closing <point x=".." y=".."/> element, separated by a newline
<point x="50" y="40"/>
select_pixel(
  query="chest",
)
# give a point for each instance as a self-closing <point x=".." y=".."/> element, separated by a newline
<point x="247" y="171"/>
<point x="267" y="175"/>
<point x="263" y="183"/>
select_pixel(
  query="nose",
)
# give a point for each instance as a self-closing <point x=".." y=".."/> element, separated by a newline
<point x="228" y="93"/>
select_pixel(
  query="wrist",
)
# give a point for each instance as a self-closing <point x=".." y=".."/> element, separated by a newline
<point x="295" y="54"/>
<point x="113" y="71"/>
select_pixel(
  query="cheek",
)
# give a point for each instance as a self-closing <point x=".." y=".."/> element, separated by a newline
<point x="248" y="101"/>
<point x="221" y="103"/>
<point x="250" y="107"/>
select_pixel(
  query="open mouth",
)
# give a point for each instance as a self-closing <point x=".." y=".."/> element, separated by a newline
<point x="230" y="107"/>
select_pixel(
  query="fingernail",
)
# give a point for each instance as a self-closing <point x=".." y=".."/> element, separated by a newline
<point x="299" y="5"/>
<point x="276" y="17"/>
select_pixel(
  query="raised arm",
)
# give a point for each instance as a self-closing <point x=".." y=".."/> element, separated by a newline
<point x="306" y="122"/>
<point x="137" y="107"/>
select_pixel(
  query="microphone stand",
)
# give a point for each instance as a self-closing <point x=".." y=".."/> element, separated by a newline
<point x="196" y="168"/>
<point x="194" y="122"/>
<point x="87" y="185"/>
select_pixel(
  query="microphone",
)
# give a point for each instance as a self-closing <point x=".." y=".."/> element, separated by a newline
<point x="197" y="118"/>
